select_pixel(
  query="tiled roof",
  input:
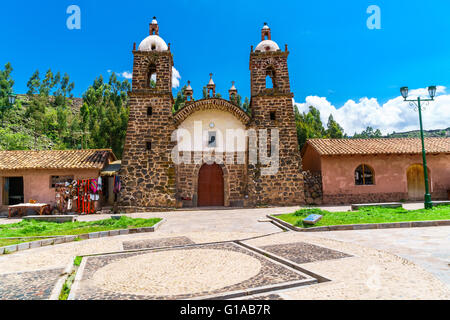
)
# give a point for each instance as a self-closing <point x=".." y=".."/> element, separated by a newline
<point x="55" y="159"/>
<point x="377" y="146"/>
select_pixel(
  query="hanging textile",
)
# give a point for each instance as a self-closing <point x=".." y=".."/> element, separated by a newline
<point x="117" y="184"/>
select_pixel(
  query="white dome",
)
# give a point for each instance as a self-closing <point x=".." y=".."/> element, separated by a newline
<point x="153" y="43"/>
<point x="267" y="45"/>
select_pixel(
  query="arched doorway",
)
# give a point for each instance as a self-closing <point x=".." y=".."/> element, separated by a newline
<point x="416" y="182"/>
<point x="211" y="192"/>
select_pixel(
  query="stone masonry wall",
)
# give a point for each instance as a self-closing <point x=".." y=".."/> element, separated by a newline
<point x="148" y="176"/>
<point x="313" y="187"/>
<point x="286" y="186"/>
<point x="163" y="62"/>
<point x="234" y="182"/>
<point x="275" y="62"/>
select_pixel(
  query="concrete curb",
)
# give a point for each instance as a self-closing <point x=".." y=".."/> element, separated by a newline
<point x="77" y="280"/>
<point x="61" y="280"/>
<point x="72" y="238"/>
<point x="413" y="224"/>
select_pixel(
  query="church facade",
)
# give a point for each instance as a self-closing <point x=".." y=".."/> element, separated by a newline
<point x="211" y="152"/>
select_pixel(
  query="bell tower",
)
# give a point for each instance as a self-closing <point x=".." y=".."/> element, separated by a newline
<point x="148" y="173"/>
<point x="273" y="110"/>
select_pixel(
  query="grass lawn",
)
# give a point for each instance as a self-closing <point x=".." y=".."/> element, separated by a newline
<point x="367" y="215"/>
<point x="32" y="228"/>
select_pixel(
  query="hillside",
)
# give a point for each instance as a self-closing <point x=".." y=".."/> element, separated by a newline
<point x="444" y="133"/>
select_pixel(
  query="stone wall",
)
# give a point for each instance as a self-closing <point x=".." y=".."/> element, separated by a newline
<point x="272" y="108"/>
<point x="163" y="62"/>
<point x="235" y="182"/>
<point x="345" y="199"/>
<point x="269" y="63"/>
<point x="313" y="187"/>
<point x="147" y="172"/>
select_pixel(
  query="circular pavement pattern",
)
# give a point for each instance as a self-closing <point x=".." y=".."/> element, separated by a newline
<point x="177" y="272"/>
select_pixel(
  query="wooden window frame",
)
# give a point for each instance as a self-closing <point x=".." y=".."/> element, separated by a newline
<point x="363" y="167"/>
<point x="60" y="178"/>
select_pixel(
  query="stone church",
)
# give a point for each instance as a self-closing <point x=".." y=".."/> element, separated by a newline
<point x="150" y="177"/>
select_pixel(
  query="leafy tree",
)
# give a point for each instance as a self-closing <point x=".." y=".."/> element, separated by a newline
<point x="179" y="100"/>
<point x="334" y="130"/>
<point x="104" y="114"/>
<point x="47" y="84"/>
<point x="6" y="88"/>
<point x="369" y="133"/>
<point x="309" y="125"/>
<point x="34" y="84"/>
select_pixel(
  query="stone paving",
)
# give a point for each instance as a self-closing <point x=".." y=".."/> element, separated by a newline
<point x="35" y="285"/>
<point x="268" y="273"/>
<point x="427" y="247"/>
<point x="270" y="297"/>
<point x="304" y="253"/>
<point x="366" y="274"/>
<point x="156" y="243"/>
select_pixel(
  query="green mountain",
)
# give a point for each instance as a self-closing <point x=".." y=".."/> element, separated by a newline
<point x="440" y="133"/>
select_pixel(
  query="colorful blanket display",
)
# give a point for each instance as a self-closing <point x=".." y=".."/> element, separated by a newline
<point x="78" y="196"/>
<point x="117" y="185"/>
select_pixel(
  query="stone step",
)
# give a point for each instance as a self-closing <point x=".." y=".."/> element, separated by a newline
<point x="59" y="218"/>
<point x="440" y="203"/>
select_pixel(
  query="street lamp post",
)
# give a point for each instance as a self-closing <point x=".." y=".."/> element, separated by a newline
<point x="417" y="104"/>
<point x="11" y="101"/>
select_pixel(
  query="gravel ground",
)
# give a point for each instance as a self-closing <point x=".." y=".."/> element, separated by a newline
<point x="156" y="243"/>
<point x="366" y="274"/>
<point x="369" y="274"/>
<point x="59" y="256"/>
<point x="179" y="274"/>
<point x="36" y="285"/>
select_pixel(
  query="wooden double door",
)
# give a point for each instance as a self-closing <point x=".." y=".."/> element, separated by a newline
<point x="211" y="192"/>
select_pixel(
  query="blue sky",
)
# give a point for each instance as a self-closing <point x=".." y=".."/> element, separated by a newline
<point x="333" y="53"/>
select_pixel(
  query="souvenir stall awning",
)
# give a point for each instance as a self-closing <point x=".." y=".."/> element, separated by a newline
<point x="112" y="169"/>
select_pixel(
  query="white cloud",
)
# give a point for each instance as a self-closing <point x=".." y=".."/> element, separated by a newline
<point x="175" y="78"/>
<point x="126" y="75"/>
<point x="395" y="115"/>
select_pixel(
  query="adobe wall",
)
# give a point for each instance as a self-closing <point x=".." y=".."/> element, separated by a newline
<point x="390" y="178"/>
<point x="311" y="160"/>
<point x="37" y="182"/>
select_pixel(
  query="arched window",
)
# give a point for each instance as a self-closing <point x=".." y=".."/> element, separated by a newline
<point x="364" y="176"/>
<point x="152" y="78"/>
<point x="270" y="78"/>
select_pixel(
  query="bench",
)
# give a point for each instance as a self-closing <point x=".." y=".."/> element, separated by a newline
<point x="58" y="219"/>
<point x="384" y="205"/>
<point x="21" y="209"/>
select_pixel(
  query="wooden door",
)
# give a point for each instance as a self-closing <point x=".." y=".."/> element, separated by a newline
<point x="210" y="186"/>
<point x="416" y="182"/>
